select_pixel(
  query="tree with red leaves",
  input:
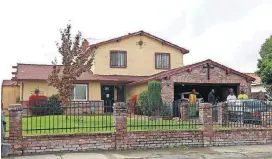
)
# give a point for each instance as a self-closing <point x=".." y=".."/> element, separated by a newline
<point x="77" y="57"/>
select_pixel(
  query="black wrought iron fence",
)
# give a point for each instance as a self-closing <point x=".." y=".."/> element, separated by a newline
<point x="43" y="118"/>
<point x="174" y="116"/>
<point x="246" y="114"/>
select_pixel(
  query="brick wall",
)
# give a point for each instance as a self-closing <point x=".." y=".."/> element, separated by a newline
<point x="125" y="140"/>
<point x="242" y="137"/>
<point x="164" y="139"/>
<point x="199" y="75"/>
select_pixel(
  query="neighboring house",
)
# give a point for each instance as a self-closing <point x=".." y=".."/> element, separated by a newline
<point x="124" y="65"/>
<point x="257" y="85"/>
<point x="9" y="92"/>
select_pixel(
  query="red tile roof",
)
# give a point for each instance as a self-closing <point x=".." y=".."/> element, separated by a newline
<point x="9" y="83"/>
<point x="171" y="72"/>
<point x="185" y="51"/>
<point x="254" y="75"/>
<point x="41" y="72"/>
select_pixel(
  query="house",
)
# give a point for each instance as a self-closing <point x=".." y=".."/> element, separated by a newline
<point x="257" y="85"/>
<point x="9" y="93"/>
<point x="124" y="65"/>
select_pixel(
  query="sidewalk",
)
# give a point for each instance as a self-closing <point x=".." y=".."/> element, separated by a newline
<point x="234" y="152"/>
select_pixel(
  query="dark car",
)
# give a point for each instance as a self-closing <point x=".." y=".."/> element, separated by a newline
<point x="246" y="111"/>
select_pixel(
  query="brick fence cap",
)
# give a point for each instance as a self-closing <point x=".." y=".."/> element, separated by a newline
<point x="15" y="107"/>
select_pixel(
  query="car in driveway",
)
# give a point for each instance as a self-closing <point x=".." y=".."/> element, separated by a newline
<point x="246" y="111"/>
<point x="184" y="97"/>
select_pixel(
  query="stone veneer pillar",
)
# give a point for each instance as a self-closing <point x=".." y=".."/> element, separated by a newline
<point x="120" y="121"/>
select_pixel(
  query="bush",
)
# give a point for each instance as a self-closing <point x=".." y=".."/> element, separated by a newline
<point x="142" y="103"/>
<point x="154" y="96"/>
<point x="132" y="103"/>
<point x="54" y="105"/>
<point x="41" y="105"/>
<point x="37" y="104"/>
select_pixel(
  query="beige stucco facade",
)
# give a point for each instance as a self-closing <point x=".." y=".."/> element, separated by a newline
<point x="140" y="61"/>
<point x="9" y="95"/>
<point x="28" y="87"/>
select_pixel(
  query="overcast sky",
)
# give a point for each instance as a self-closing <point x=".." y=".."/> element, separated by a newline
<point x="227" y="31"/>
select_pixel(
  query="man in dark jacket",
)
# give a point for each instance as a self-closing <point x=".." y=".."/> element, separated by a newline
<point x="211" y="97"/>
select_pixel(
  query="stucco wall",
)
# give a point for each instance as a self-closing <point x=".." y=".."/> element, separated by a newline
<point x="9" y="95"/>
<point x="94" y="91"/>
<point x="29" y="87"/>
<point x="199" y="75"/>
<point x="136" y="89"/>
<point x="139" y="61"/>
<point x="257" y="88"/>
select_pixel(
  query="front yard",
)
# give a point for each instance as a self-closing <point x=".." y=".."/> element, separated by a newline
<point x="60" y="124"/>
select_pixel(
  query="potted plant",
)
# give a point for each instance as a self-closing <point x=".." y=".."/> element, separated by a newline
<point x="18" y="100"/>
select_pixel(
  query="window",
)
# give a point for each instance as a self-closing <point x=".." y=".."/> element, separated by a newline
<point x="118" y="59"/>
<point x="162" y="60"/>
<point x="80" y="92"/>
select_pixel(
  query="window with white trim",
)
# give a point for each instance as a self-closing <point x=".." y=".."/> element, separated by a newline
<point x="80" y="92"/>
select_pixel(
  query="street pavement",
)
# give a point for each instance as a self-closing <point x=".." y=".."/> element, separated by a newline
<point x="231" y="152"/>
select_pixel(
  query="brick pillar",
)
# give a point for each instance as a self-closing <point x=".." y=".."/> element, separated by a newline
<point x="15" y="120"/>
<point x="15" y="128"/>
<point x="205" y="115"/>
<point x="221" y="112"/>
<point x="120" y="120"/>
<point x="183" y="111"/>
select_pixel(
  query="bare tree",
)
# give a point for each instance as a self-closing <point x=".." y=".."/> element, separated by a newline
<point x="77" y="57"/>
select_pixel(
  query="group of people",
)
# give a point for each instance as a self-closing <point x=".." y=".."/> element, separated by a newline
<point x="231" y="96"/>
<point x="213" y="99"/>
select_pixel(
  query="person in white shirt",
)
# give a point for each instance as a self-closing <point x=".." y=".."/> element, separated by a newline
<point x="231" y="96"/>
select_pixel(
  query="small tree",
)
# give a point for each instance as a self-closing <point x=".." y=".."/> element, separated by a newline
<point x="265" y="64"/>
<point x="77" y="57"/>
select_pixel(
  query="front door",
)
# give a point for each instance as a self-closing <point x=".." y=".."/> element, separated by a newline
<point x="107" y="94"/>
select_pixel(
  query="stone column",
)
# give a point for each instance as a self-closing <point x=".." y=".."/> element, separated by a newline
<point x="120" y="121"/>
<point x="205" y="117"/>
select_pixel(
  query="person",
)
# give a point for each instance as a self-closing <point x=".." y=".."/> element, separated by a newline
<point x="231" y="96"/>
<point x="242" y="95"/>
<point x="192" y="103"/>
<point x="211" y="97"/>
<point x="192" y="97"/>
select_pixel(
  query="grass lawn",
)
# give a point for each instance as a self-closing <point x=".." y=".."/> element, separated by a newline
<point x="59" y="124"/>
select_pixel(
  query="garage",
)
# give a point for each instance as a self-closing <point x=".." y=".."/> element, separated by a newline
<point x="203" y="77"/>
<point x="221" y="90"/>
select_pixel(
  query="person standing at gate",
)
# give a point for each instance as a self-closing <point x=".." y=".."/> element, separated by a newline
<point x="242" y="95"/>
<point x="211" y="97"/>
<point x="231" y="96"/>
<point x="192" y="103"/>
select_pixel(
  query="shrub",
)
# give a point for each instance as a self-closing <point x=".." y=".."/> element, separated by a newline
<point x="53" y="106"/>
<point x="37" y="104"/>
<point x="132" y="102"/>
<point x="142" y="103"/>
<point x="41" y="105"/>
<point x="154" y="95"/>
